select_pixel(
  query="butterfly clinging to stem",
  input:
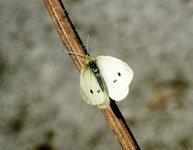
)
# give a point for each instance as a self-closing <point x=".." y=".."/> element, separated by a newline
<point x="103" y="77"/>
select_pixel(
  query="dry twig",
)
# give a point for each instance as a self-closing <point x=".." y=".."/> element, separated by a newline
<point x="74" y="44"/>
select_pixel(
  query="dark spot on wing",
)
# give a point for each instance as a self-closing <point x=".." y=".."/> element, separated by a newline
<point x="91" y="91"/>
<point x="115" y="80"/>
<point x="98" y="91"/>
<point x="119" y="74"/>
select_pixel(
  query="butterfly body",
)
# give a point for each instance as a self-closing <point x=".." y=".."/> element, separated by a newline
<point x="93" y="66"/>
<point x="103" y="77"/>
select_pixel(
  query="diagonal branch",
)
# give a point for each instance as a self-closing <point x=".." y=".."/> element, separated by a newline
<point x="73" y="43"/>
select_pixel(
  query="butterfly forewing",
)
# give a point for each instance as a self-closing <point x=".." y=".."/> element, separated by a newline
<point x="90" y="89"/>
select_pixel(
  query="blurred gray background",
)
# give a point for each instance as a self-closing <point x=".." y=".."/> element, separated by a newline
<point x="40" y="104"/>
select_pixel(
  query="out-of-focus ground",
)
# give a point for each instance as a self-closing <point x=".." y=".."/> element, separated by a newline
<point x="40" y="104"/>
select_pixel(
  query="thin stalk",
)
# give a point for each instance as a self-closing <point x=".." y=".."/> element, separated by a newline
<point x="74" y="45"/>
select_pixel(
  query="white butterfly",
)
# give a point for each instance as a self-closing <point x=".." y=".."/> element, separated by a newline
<point x="103" y="77"/>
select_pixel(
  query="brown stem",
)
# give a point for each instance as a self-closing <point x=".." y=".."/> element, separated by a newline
<point x="74" y="45"/>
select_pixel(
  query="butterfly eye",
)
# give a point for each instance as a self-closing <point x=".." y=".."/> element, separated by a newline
<point x="98" y="91"/>
<point x="119" y="74"/>
<point x="91" y="91"/>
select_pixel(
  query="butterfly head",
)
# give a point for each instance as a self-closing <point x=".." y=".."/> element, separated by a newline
<point x="89" y="59"/>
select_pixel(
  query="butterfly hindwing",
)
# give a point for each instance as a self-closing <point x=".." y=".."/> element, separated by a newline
<point x="117" y="76"/>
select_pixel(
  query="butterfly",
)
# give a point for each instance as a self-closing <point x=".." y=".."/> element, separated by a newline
<point x="103" y="77"/>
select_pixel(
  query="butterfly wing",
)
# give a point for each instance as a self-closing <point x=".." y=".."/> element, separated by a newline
<point x="117" y="75"/>
<point x="90" y="89"/>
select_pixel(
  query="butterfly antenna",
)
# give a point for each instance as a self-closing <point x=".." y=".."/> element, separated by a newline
<point x="87" y="42"/>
